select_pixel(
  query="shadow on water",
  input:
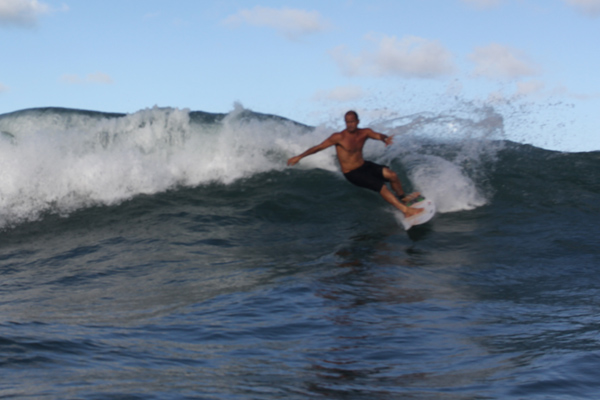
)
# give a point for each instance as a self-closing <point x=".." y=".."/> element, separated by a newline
<point x="420" y="232"/>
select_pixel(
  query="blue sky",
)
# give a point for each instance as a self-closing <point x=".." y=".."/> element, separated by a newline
<point x="535" y="61"/>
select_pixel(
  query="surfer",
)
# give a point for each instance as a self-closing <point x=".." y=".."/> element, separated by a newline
<point x="349" y="145"/>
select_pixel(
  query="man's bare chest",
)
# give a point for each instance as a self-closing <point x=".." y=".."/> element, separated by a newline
<point x="352" y="144"/>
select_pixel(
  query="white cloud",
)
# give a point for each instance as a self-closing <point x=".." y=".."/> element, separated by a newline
<point x="535" y="88"/>
<point x="97" y="77"/>
<point x="563" y="91"/>
<point x="501" y="62"/>
<point x="410" y="57"/>
<point x="586" y="7"/>
<point x="3" y="88"/>
<point x="291" y="23"/>
<point x="71" y="79"/>
<point x="21" y="12"/>
<point x="584" y="96"/>
<point x="340" y="93"/>
<point x="483" y="3"/>
<point x="530" y="88"/>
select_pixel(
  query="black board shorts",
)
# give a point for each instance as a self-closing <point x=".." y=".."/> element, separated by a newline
<point x="369" y="176"/>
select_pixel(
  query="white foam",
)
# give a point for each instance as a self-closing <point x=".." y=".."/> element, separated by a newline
<point x="445" y="183"/>
<point x="63" y="161"/>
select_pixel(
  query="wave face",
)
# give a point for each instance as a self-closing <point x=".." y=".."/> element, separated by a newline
<point x="56" y="161"/>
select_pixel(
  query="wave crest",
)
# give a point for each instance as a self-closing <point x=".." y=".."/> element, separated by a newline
<point x="57" y="160"/>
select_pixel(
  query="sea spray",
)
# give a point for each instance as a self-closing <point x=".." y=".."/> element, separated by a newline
<point x="446" y="156"/>
<point x="443" y="182"/>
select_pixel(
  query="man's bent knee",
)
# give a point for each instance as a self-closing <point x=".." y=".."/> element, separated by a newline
<point x="390" y="175"/>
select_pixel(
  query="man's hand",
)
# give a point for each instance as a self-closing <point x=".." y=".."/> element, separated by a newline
<point x="294" y="160"/>
<point x="388" y="140"/>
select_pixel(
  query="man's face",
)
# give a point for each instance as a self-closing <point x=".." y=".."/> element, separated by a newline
<point x="351" y="122"/>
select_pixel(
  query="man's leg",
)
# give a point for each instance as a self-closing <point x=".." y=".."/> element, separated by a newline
<point x="392" y="177"/>
<point x="393" y="200"/>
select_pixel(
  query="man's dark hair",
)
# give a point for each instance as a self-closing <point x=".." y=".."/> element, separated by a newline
<point x="353" y="112"/>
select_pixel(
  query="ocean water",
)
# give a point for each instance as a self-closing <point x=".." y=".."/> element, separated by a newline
<point x="169" y="254"/>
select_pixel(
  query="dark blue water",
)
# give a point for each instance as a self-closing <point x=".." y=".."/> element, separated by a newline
<point x="172" y="255"/>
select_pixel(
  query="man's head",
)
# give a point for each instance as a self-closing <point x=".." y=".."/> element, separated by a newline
<point x="352" y="121"/>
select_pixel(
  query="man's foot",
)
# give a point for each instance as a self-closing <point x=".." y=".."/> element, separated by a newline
<point x="410" y="197"/>
<point x="411" y="212"/>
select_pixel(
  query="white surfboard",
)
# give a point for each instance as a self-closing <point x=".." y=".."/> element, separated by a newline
<point x="421" y="218"/>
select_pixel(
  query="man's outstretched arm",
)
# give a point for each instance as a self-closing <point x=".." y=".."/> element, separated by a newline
<point x="380" y="136"/>
<point x="332" y="140"/>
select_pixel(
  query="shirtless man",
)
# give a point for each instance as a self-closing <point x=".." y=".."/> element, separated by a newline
<point x="349" y="145"/>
